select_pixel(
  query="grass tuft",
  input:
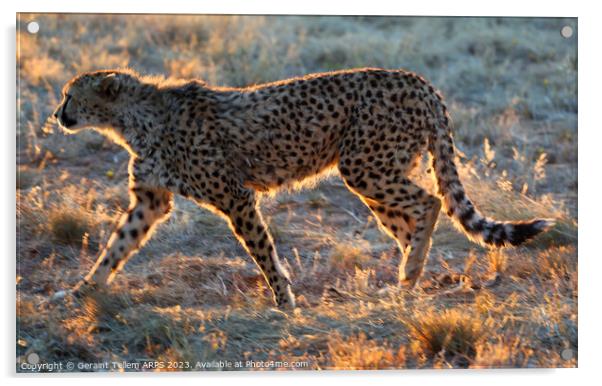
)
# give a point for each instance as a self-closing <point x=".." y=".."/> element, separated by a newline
<point x="360" y="353"/>
<point x="497" y="261"/>
<point x="68" y="226"/>
<point x="347" y="255"/>
<point x="451" y="333"/>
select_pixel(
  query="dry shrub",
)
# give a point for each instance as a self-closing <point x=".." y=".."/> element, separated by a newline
<point x="68" y="226"/>
<point x="41" y="69"/>
<point x="27" y="45"/>
<point x="155" y="330"/>
<point x="360" y="353"/>
<point x="451" y="334"/>
<point x="64" y="216"/>
<point x="184" y="68"/>
<point x="93" y="59"/>
<point x="349" y="255"/>
<point x="498" y="355"/>
<point x="497" y="261"/>
<point x="558" y="263"/>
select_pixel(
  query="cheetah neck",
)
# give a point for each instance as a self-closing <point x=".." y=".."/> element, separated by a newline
<point x="136" y="126"/>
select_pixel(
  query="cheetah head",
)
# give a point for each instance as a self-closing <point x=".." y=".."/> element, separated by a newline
<point x="95" y="100"/>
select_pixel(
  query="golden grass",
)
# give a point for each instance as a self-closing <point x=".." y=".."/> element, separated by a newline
<point x="453" y="334"/>
<point x="39" y="69"/>
<point x="68" y="226"/>
<point x="360" y="353"/>
<point x="497" y="261"/>
<point x="348" y="255"/>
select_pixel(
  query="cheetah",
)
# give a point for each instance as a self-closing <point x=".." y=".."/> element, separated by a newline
<point x="224" y="147"/>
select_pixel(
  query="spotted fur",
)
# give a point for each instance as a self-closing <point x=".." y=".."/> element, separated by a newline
<point x="221" y="147"/>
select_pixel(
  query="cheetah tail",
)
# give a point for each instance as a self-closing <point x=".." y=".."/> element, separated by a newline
<point x="465" y="216"/>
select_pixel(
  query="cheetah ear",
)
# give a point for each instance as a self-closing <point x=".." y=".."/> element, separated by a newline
<point x="109" y="86"/>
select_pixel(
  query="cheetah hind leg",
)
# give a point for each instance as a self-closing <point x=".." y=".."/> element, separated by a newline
<point x="412" y="228"/>
<point x="409" y="218"/>
<point x="426" y="212"/>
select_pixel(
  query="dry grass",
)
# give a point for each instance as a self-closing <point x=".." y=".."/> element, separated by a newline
<point x="192" y="295"/>
<point x="361" y="353"/>
<point x="452" y="335"/>
<point x="68" y="226"/>
<point x="26" y="178"/>
<point x="497" y="260"/>
<point x="351" y="254"/>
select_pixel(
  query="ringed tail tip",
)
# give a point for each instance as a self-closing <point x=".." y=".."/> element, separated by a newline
<point x="524" y="231"/>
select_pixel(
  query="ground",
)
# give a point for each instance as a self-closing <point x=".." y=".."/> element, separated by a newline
<point x="192" y="295"/>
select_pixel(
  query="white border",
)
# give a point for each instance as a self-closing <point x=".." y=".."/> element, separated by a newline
<point x="589" y="164"/>
<point x="311" y="7"/>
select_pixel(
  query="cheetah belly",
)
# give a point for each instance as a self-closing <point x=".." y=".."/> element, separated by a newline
<point x="289" y="164"/>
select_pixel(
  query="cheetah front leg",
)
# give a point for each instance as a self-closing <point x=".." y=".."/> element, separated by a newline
<point x="248" y="226"/>
<point x="148" y="207"/>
